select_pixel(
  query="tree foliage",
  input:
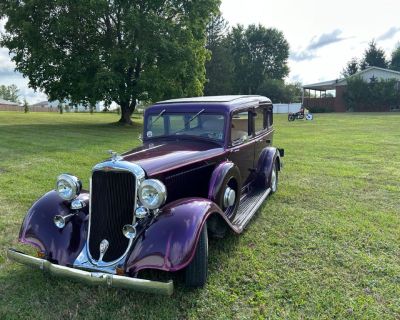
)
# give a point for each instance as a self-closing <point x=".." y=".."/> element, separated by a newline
<point x="278" y="91"/>
<point x="395" y="61"/>
<point x="380" y="95"/>
<point x="258" y="54"/>
<point x="351" y="68"/>
<point x="110" y="50"/>
<point x="26" y="106"/>
<point x="9" y="93"/>
<point x="219" y="69"/>
<point x="249" y="60"/>
<point x="373" y="57"/>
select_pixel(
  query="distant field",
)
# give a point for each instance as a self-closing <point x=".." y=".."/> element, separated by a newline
<point x="327" y="245"/>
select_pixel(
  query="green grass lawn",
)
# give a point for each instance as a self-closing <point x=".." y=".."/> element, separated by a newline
<point x="327" y="245"/>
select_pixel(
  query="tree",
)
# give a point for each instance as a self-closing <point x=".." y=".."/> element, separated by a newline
<point x="258" y="54"/>
<point x="278" y="91"/>
<point x="216" y="31"/>
<point x="26" y="106"/>
<point x="109" y="50"/>
<point x="219" y="69"/>
<point x="9" y="93"/>
<point x="351" y="68"/>
<point x="373" y="57"/>
<point x="395" y="61"/>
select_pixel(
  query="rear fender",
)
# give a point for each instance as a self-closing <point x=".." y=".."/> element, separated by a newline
<point x="170" y="242"/>
<point x="265" y="163"/>
<point x="38" y="229"/>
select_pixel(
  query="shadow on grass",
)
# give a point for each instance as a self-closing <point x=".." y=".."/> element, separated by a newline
<point x="27" y="292"/>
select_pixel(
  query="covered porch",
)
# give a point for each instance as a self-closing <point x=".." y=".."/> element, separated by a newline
<point x="324" y="97"/>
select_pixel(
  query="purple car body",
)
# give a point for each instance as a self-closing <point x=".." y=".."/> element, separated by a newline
<point x="214" y="159"/>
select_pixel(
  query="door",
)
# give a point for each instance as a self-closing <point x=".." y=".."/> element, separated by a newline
<point x="263" y="118"/>
<point x="242" y="145"/>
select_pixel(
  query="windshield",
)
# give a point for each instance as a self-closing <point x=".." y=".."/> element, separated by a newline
<point x="199" y="124"/>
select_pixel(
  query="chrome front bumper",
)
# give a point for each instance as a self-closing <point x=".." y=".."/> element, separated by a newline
<point x="93" y="278"/>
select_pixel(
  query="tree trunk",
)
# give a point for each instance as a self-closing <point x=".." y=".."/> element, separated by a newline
<point x="126" y="113"/>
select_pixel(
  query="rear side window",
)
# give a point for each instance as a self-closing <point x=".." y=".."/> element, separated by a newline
<point x="260" y="122"/>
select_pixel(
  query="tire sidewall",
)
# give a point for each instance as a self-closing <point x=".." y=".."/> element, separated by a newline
<point x="274" y="168"/>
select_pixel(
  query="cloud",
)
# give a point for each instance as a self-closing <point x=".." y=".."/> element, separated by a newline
<point x="325" y="39"/>
<point x="8" y="77"/>
<point x="5" y="62"/>
<point x="302" y="55"/>
<point x="389" y="34"/>
<point x="2" y="24"/>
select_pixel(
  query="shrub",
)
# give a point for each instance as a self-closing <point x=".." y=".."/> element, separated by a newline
<point x="379" y="95"/>
<point x="26" y="106"/>
<point x="320" y="109"/>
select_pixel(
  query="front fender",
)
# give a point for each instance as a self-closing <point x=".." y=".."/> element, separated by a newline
<point x="217" y="178"/>
<point x="170" y="242"/>
<point x="38" y="229"/>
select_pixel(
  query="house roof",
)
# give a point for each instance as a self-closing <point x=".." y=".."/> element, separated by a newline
<point x="41" y="104"/>
<point x="9" y="103"/>
<point x="322" y="86"/>
<point x="332" y="84"/>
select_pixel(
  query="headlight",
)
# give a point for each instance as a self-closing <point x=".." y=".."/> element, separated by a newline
<point x="68" y="187"/>
<point x="152" y="193"/>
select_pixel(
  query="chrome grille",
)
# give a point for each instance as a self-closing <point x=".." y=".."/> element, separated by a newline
<point x="112" y="206"/>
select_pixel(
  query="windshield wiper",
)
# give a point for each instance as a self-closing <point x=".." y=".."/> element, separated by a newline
<point x="189" y="121"/>
<point x="158" y="117"/>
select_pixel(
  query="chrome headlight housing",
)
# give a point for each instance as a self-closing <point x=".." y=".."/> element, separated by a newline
<point x="152" y="193"/>
<point x="68" y="186"/>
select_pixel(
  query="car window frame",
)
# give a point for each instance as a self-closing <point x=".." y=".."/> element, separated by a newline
<point x="250" y="128"/>
<point x="167" y="128"/>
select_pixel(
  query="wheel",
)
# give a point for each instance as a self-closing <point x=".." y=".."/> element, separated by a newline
<point x="273" y="184"/>
<point x="196" y="271"/>
<point x="228" y="196"/>
<point x="291" y="117"/>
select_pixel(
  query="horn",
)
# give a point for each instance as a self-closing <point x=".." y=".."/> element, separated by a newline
<point x="60" y="221"/>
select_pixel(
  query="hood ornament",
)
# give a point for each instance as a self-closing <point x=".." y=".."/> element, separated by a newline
<point x="104" y="244"/>
<point x="114" y="156"/>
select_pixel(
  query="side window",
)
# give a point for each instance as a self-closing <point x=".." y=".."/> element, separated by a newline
<point x="269" y="116"/>
<point x="260" y="122"/>
<point x="240" y="127"/>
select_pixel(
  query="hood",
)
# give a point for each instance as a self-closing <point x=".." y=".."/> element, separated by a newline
<point x="160" y="156"/>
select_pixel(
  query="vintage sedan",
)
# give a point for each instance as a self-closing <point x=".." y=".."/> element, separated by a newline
<point x="206" y="165"/>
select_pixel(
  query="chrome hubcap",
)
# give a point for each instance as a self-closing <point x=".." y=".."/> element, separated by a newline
<point x="229" y="197"/>
<point x="273" y="180"/>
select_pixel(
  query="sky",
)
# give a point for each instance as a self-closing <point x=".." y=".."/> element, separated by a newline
<point x="322" y="35"/>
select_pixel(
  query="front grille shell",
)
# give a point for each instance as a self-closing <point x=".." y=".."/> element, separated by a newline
<point x="119" y="246"/>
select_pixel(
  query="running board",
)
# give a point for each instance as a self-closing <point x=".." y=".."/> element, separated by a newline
<point x="249" y="206"/>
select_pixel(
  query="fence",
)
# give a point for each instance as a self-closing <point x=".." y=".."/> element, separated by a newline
<point x="286" y="107"/>
<point x="31" y="109"/>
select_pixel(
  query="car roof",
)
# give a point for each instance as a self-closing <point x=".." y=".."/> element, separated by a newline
<point x="213" y="103"/>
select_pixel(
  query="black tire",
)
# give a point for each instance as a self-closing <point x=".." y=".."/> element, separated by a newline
<point x="291" y="117"/>
<point x="196" y="272"/>
<point x="231" y="180"/>
<point x="273" y="182"/>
